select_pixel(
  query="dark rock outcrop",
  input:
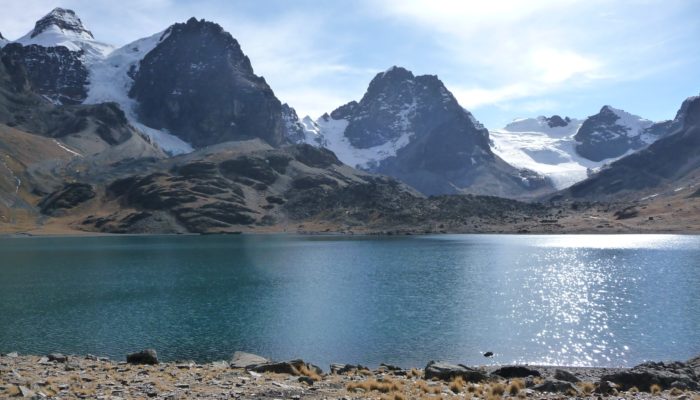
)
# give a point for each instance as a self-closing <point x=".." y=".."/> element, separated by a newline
<point x="447" y="372"/>
<point x="564" y="375"/>
<point x="198" y="84"/>
<point x="555" y="121"/>
<point x="556" y="386"/>
<point x="148" y="357"/>
<point x="665" y="375"/>
<point x="53" y="72"/>
<point x="516" y="371"/>
<point x="70" y="196"/>
<point x="604" y="135"/>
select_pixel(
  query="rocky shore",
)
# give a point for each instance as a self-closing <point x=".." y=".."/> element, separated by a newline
<point x="247" y="376"/>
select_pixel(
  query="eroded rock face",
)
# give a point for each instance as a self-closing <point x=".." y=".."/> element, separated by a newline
<point x="610" y="133"/>
<point x="54" y="72"/>
<point x="70" y="196"/>
<point x="198" y="84"/>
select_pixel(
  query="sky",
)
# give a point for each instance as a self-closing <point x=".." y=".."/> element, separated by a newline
<point x="502" y="59"/>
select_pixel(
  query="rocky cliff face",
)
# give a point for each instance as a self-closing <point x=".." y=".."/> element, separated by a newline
<point x="611" y="133"/>
<point x="198" y="84"/>
<point x="412" y="128"/>
<point x="54" y="72"/>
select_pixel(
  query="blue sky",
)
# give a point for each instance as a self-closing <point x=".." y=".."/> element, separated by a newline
<point x="503" y="59"/>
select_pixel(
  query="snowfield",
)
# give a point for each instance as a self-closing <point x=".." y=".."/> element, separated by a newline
<point x="531" y="143"/>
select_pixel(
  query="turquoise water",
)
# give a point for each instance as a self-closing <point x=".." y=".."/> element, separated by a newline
<point x="583" y="300"/>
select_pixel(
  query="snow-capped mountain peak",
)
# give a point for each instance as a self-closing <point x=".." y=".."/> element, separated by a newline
<point x="611" y="133"/>
<point x="62" y="27"/>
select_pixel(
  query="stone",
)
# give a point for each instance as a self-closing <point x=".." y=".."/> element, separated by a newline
<point x="245" y="360"/>
<point x="148" y="356"/>
<point x="516" y="371"/>
<point x="14" y="354"/>
<point x="606" y="387"/>
<point x="25" y="391"/>
<point x="645" y="375"/>
<point x="555" y="386"/>
<point x="57" y="357"/>
<point x="283" y="367"/>
<point x="340" y="369"/>
<point x="307" y="380"/>
<point x="447" y="372"/>
<point x="564" y="375"/>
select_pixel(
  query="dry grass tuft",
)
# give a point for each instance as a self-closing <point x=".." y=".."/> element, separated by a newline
<point x="676" y="392"/>
<point x="393" y="396"/>
<point x="655" y="389"/>
<point x="495" y="391"/>
<point x="414" y="373"/>
<point x="634" y="389"/>
<point x="457" y="385"/>
<point x="515" y="386"/>
<point x="306" y="371"/>
<point x="587" y="387"/>
<point x="424" y="387"/>
<point x="385" y="386"/>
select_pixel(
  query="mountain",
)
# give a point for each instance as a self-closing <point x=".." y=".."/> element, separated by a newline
<point x="63" y="28"/>
<point x="197" y="83"/>
<point x="611" y="133"/>
<point x="3" y="41"/>
<point x="569" y="150"/>
<point x="56" y="55"/>
<point x="412" y="128"/>
<point x="44" y="146"/>
<point x="669" y="164"/>
<point x="186" y="87"/>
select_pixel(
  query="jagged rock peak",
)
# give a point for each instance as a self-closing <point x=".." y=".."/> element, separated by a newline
<point x="556" y="121"/>
<point x="64" y="20"/>
<point x="202" y="30"/>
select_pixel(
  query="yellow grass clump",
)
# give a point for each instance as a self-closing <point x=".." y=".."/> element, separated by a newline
<point x="457" y="384"/>
<point x="384" y="386"/>
<point x="515" y="386"/>
<point x="587" y="387"/>
<point x="676" y="392"/>
<point x="655" y="389"/>
<point x="308" y="372"/>
<point x="496" y="391"/>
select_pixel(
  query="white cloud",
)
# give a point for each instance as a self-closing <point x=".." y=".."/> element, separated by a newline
<point x="514" y="50"/>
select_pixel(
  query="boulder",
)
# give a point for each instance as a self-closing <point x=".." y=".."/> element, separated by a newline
<point x="606" y="387"/>
<point x="645" y="375"/>
<point x="148" y="356"/>
<point x="57" y="357"/>
<point x="447" y="372"/>
<point x="516" y="371"/>
<point x="340" y="369"/>
<point x="555" y="386"/>
<point x="244" y="360"/>
<point x="291" y="367"/>
<point x="564" y="375"/>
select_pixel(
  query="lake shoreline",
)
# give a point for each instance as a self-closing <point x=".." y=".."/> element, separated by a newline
<point x="249" y="376"/>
